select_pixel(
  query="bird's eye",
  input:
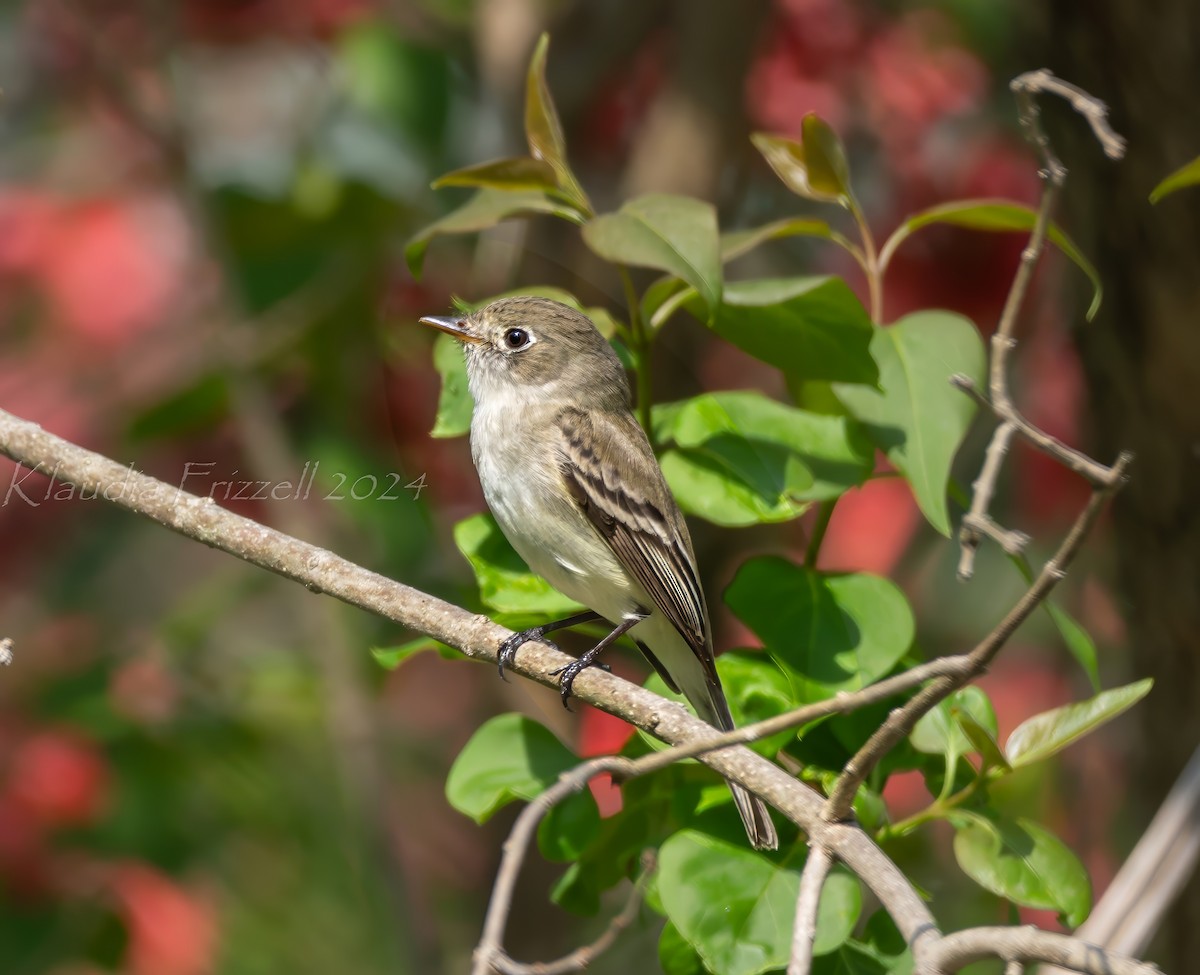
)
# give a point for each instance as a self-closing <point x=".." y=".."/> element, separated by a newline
<point x="516" y="338"/>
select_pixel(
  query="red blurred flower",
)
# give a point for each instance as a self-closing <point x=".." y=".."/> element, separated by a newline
<point x="172" y="931"/>
<point x="870" y="528"/>
<point x="59" y="777"/>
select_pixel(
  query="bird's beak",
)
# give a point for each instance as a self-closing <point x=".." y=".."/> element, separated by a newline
<point x="456" y="326"/>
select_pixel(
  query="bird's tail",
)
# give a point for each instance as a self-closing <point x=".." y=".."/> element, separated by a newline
<point x="715" y="710"/>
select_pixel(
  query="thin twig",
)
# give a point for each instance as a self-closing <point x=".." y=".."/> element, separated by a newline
<point x="1029" y="944"/>
<point x="808" y="901"/>
<point x="1014" y="967"/>
<point x="902" y="720"/>
<point x="978" y="522"/>
<point x="6" y="651"/>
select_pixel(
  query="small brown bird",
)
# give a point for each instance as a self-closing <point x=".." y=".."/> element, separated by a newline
<point x="575" y="486"/>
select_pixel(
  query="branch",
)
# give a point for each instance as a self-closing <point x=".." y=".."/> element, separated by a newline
<point x="977" y="523"/>
<point x="804" y="933"/>
<point x="1164" y="859"/>
<point x="1029" y="944"/>
<point x="6" y="651"/>
<point x="476" y="636"/>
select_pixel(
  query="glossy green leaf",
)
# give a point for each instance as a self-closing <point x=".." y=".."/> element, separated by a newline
<point x="850" y="959"/>
<point x="737" y="243"/>
<point x="757" y="689"/>
<point x="996" y="216"/>
<point x="735" y="907"/>
<point x="983" y="741"/>
<point x="916" y="417"/>
<point x="810" y="328"/>
<point x="704" y="486"/>
<point x="1188" y="175"/>
<point x="485" y="209"/>
<point x="505" y="582"/>
<point x="785" y="455"/>
<point x="569" y="827"/>
<point x="676" y="956"/>
<point x="814" y="168"/>
<point x="828" y="633"/>
<point x="828" y="171"/>
<point x="882" y="940"/>
<point x="520" y="173"/>
<point x="1025" y="863"/>
<point x="454" y="403"/>
<point x="1045" y="734"/>
<point x="676" y="234"/>
<point x="392" y="657"/>
<point x="510" y="757"/>
<point x="543" y="130"/>
<point x="938" y="731"/>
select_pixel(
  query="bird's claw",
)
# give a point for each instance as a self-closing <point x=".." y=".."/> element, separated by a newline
<point x="565" y="682"/>
<point x="509" y="647"/>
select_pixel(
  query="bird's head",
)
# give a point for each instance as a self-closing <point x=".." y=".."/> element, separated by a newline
<point x="529" y="346"/>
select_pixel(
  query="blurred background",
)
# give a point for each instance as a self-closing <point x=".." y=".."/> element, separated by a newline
<point x="203" y="207"/>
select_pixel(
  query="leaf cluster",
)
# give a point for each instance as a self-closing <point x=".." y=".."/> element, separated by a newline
<point x="739" y="458"/>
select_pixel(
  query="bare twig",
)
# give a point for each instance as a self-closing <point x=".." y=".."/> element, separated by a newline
<point x="901" y="721"/>
<point x="1014" y="967"/>
<point x="1029" y="944"/>
<point x="804" y="932"/>
<point x="977" y="523"/>
<point x="6" y="651"/>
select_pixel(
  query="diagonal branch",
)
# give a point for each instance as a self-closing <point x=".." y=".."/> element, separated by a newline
<point x="476" y="636"/>
<point x="977" y="523"/>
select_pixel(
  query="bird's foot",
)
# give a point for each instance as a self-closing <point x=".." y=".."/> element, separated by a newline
<point x="573" y="670"/>
<point x="508" y="649"/>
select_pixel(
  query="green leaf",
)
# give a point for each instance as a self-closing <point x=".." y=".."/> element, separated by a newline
<point x="814" y="168"/>
<point x="676" y="956"/>
<point x="543" y="130"/>
<point x="392" y="657"/>
<point x="828" y="633"/>
<point x="454" y="403"/>
<point x="704" y="486"/>
<point x="569" y="827"/>
<point x="810" y="328"/>
<point x="938" y="731"/>
<point x="1074" y="636"/>
<point x="521" y="173"/>
<point x="1188" y="175"/>
<point x="993" y="215"/>
<point x="1025" y="863"/>
<point x="1045" y="734"/>
<point x="916" y="417"/>
<point x="510" y="757"/>
<point x="757" y="689"/>
<point x="735" y="907"/>
<point x="505" y="582"/>
<point x="983" y="740"/>
<point x="737" y="243"/>
<point x="676" y="234"/>
<point x="486" y="208"/>
<point x="834" y="451"/>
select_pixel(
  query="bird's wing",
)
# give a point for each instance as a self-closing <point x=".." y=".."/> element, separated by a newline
<point x="612" y="474"/>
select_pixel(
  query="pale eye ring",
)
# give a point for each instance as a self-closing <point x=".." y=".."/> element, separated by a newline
<point x="516" y="338"/>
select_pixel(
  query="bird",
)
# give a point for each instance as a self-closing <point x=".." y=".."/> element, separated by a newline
<point x="572" y="480"/>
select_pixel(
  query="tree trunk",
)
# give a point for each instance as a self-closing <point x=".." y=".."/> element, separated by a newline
<point x="1142" y="355"/>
